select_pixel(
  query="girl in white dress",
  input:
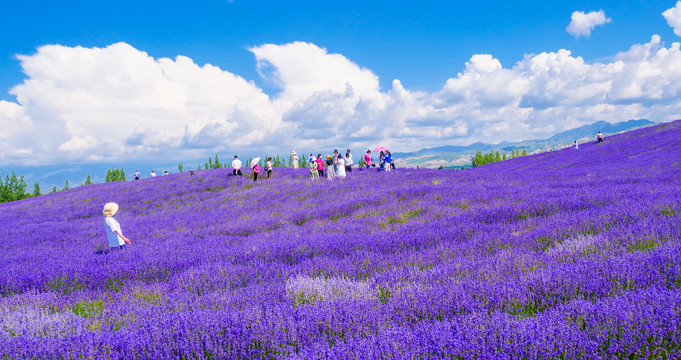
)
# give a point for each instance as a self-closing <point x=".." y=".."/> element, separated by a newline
<point x="340" y="162"/>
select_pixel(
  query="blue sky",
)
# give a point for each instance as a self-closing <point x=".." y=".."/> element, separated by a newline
<point x="102" y="81"/>
<point x="420" y="43"/>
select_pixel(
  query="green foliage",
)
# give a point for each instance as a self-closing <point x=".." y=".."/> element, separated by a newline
<point x="115" y="175"/>
<point x="88" y="180"/>
<point x="214" y="163"/>
<point x="36" y="189"/>
<point x="53" y="190"/>
<point x="278" y="161"/>
<point x="180" y="167"/>
<point x="481" y="158"/>
<point x="66" y="185"/>
<point x="362" y="163"/>
<point x="13" y="188"/>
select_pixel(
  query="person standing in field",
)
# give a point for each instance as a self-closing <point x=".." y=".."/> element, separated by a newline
<point x="388" y="159"/>
<point x="294" y="159"/>
<point x="236" y="166"/>
<point x="312" y="166"/>
<point x="599" y="137"/>
<point x="348" y="161"/>
<point x="114" y="235"/>
<point x="268" y="167"/>
<point x="335" y="163"/>
<point x="367" y="159"/>
<point x="575" y="146"/>
<point x="153" y="173"/>
<point x="136" y="175"/>
<point x="340" y="162"/>
<point x="320" y="165"/>
<point x="256" y="171"/>
<point x="330" y="164"/>
<point x="381" y="161"/>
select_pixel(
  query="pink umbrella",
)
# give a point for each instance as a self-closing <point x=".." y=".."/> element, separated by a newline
<point x="380" y="148"/>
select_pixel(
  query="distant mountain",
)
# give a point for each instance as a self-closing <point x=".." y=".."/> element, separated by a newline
<point x="450" y="155"/>
<point x="605" y="127"/>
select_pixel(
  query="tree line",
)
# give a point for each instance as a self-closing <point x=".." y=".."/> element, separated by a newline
<point x="481" y="158"/>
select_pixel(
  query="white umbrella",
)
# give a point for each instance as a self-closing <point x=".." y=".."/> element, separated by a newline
<point x="255" y="161"/>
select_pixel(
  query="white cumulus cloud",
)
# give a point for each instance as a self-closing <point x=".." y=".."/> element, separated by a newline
<point x="119" y="103"/>
<point x="583" y="23"/>
<point x="673" y="17"/>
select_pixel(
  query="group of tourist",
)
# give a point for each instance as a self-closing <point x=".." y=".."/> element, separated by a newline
<point x="329" y="166"/>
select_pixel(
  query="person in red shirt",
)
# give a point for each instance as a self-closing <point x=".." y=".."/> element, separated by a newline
<point x="320" y="165"/>
<point x="367" y="159"/>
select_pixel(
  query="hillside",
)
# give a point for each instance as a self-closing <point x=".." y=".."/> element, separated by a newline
<point x="566" y="253"/>
<point x="461" y="155"/>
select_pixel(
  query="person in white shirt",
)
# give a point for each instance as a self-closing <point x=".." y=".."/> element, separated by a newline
<point x="348" y="161"/>
<point x="341" y="166"/>
<point x="294" y="160"/>
<point x="268" y="167"/>
<point x="153" y="173"/>
<point x="236" y="166"/>
<point x="114" y="235"/>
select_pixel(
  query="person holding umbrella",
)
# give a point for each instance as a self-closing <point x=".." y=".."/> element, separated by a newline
<point x="255" y="168"/>
<point x="381" y="159"/>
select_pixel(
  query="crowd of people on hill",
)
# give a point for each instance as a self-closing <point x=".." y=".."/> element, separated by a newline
<point x="329" y="167"/>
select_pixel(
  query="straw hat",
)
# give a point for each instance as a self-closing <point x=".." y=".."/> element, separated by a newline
<point x="110" y="209"/>
<point x="293" y="152"/>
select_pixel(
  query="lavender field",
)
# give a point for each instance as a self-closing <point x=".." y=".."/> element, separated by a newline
<point x="567" y="254"/>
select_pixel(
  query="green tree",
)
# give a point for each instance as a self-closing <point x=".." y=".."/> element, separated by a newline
<point x="180" y="167"/>
<point x="36" y="189"/>
<point x="66" y="185"/>
<point x="54" y="189"/>
<point x="88" y="180"/>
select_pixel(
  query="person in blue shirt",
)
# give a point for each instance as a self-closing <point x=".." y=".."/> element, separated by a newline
<point x="114" y="235"/>
<point x="387" y="158"/>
